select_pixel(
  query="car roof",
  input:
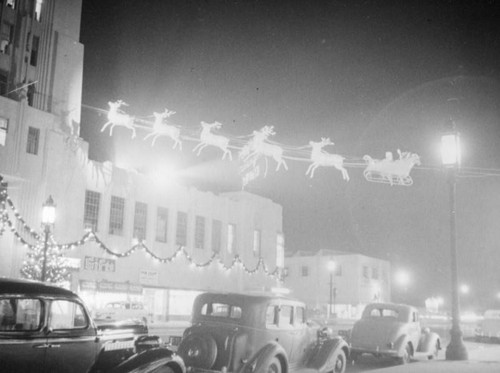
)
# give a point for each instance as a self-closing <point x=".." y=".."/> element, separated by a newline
<point x="29" y="287"/>
<point x="239" y="298"/>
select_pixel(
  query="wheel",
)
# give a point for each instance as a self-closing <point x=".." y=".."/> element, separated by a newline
<point x="274" y="366"/>
<point x="199" y="351"/>
<point x="435" y="351"/>
<point x="406" y="358"/>
<point x="163" y="369"/>
<point x="340" y="362"/>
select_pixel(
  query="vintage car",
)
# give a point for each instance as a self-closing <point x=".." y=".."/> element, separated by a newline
<point x="45" y="328"/>
<point x="122" y="310"/>
<point x="488" y="329"/>
<point x="392" y="330"/>
<point x="257" y="333"/>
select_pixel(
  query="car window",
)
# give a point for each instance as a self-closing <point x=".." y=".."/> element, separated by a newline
<point x="272" y="316"/>
<point x="20" y="314"/>
<point x="300" y="315"/>
<point x="221" y="310"/>
<point x="382" y="312"/>
<point x="286" y="316"/>
<point x="67" y="315"/>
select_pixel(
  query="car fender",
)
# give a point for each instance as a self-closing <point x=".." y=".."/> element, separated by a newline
<point x="263" y="357"/>
<point x="401" y="342"/>
<point x="151" y="359"/>
<point x="428" y="341"/>
<point x="323" y="356"/>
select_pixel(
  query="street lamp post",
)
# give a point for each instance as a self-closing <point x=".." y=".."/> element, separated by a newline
<point x="48" y="219"/>
<point x="333" y="290"/>
<point x="450" y="153"/>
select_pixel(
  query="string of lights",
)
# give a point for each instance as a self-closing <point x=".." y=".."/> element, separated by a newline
<point x="91" y="236"/>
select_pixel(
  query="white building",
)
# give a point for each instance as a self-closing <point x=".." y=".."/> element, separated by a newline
<point x="190" y="240"/>
<point x="340" y="281"/>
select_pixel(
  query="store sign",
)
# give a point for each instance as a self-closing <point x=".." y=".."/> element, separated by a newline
<point x="110" y="287"/>
<point x="148" y="277"/>
<point x="93" y="263"/>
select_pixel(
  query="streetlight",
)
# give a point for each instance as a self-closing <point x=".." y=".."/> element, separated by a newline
<point x="332" y="267"/>
<point x="450" y="155"/>
<point x="48" y="219"/>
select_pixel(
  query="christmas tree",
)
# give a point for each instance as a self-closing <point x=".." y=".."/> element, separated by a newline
<point x="56" y="270"/>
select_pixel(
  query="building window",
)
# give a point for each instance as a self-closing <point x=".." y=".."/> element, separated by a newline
<point x="116" y="214"/>
<point x="38" y="10"/>
<point x="6" y="38"/>
<point x="257" y="243"/>
<point x="199" y="233"/>
<point x="33" y="139"/>
<point x="91" y="210"/>
<point x="375" y="273"/>
<point x="280" y="250"/>
<point x="304" y="271"/>
<point x="35" y="43"/>
<point x="231" y="238"/>
<point x="365" y="272"/>
<point x="216" y="235"/>
<point x="4" y="126"/>
<point x="161" y="224"/>
<point x="140" y="220"/>
<point x="3" y="83"/>
<point x="181" y="233"/>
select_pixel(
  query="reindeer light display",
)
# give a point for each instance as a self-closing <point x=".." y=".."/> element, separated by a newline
<point x="163" y="129"/>
<point x="117" y="118"/>
<point x="257" y="147"/>
<point x="321" y="158"/>
<point x="208" y="138"/>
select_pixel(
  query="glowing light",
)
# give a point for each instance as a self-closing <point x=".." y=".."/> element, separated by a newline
<point x="464" y="289"/>
<point x="450" y="150"/>
<point x="402" y="278"/>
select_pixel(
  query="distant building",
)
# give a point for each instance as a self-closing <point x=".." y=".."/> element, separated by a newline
<point x="185" y="240"/>
<point x="355" y="280"/>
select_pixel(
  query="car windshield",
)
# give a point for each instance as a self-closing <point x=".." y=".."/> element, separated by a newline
<point x="221" y="310"/>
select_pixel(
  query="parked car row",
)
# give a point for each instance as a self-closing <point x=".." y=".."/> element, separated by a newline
<point x="46" y="328"/>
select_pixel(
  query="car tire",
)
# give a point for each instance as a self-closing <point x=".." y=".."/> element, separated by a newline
<point x="339" y="362"/>
<point x="406" y="358"/>
<point x="274" y="366"/>
<point x="435" y="352"/>
<point x="163" y="369"/>
<point x="198" y="351"/>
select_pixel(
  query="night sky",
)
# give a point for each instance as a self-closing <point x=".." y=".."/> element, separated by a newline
<point x="374" y="76"/>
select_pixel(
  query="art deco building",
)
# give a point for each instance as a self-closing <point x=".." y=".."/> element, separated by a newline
<point x="150" y="242"/>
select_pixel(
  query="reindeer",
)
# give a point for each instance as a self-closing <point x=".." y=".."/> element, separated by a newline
<point x="322" y="158"/>
<point x="117" y="118"/>
<point x="208" y="138"/>
<point x="257" y="146"/>
<point x="164" y="129"/>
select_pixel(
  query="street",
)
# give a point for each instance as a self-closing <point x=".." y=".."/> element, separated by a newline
<point x="478" y="352"/>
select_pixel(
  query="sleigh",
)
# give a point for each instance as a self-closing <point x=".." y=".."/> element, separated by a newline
<point x="389" y="171"/>
<point x="379" y="177"/>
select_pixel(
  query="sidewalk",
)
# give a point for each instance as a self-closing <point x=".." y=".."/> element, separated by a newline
<point x="483" y="358"/>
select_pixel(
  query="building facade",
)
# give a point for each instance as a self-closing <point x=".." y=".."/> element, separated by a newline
<point x="126" y="236"/>
<point x="338" y="282"/>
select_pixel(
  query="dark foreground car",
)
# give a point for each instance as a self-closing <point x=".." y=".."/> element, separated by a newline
<point x="257" y="333"/>
<point x="45" y="328"/>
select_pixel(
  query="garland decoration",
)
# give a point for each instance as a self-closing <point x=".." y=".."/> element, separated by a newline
<point x="57" y="270"/>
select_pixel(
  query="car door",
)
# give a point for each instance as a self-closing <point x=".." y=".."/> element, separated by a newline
<point x="71" y="338"/>
<point x="301" y="338"/>
<point x="22" y="341"/>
